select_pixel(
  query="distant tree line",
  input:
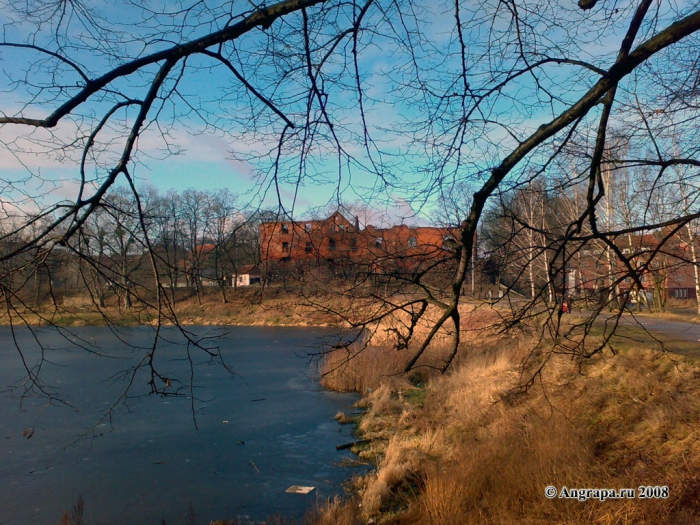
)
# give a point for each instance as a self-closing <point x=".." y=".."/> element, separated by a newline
<point x="156" y="243"/>
<point x="526" y="235"/>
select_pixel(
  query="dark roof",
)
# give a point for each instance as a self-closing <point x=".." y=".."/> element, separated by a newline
<point x="250" y="269"/>
<point x="205" y="249"/>
<point x="330" y="218"/>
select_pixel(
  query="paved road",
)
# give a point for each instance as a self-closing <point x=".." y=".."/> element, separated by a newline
<point x="677" y="330"/>
<point x="678" y="336"/>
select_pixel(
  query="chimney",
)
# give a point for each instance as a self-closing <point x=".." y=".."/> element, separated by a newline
<point x="357" y="223"/>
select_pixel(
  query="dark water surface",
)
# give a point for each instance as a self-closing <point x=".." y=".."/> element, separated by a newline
<point x="261" y="430"/>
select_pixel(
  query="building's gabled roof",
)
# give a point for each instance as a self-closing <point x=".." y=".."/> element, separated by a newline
<point x="205" y="249"/>
<point x="335" y="217"/>
<point x="338" y="217"/>
<point x="250" y="269"/>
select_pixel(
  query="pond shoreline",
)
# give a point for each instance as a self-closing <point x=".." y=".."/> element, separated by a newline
<point x="279" y="309"/>
<point x="235" y="438"/>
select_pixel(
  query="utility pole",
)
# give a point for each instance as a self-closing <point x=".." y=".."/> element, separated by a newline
<point x="474" y="265"/>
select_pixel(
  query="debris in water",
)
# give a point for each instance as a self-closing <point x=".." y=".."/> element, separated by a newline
<point x="354" y="443"/>
<point x="299" y="489"/>
<point x="351" y="463"/>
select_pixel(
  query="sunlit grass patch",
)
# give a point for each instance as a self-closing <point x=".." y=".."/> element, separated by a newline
<point x="469" y="452"/>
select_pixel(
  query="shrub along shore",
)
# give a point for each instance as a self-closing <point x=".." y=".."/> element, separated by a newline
<point x="474" y="447"/>
<point x="466" y="448"/>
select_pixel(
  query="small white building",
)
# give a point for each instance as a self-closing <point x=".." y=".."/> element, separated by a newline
<point x="247" y="275"/>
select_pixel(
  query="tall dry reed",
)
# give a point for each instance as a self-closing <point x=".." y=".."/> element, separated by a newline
<point x="472" y="452"/>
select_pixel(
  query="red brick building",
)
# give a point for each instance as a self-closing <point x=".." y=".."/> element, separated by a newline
<point x="671" y="269"/>
<point x="337" y="240"/>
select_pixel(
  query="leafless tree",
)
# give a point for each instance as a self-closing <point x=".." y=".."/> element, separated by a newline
<point x="488" y="93"/>
<point x="170" y="242"/>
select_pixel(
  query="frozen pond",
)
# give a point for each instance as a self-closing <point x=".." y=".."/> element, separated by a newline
<point x="261" y="430"/>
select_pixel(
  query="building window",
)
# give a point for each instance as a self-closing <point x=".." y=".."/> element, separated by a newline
<point x="412" y="242"/>
<point x="450" y="244"/>
<point x="378" y="241"/>
<point x="353" y="244"/>
<point x="309" y="247"/>
<point x="331" y="244"/>
<point x="308" y="226"/>
<point x="285" y="247"/>
<point x="341" y="227"/>
<point x="285" y="228"/>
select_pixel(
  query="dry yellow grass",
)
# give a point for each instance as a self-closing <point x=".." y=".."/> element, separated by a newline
<point x="475" y="320"/>
<point x="336" y="511"/>
<point x="244" y="307"/>
<point x="471" y="452"/>
<point x="369" y="365"/>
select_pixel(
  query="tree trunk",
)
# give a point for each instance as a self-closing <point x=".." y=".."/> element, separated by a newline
<point x="37" y="287"/>
<point x="694" y="258"/>
<point x="222" y="285"/>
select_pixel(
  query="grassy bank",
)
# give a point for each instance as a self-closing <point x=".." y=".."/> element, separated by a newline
<point x="470" y="447"/>
<point x="247" y="307"/>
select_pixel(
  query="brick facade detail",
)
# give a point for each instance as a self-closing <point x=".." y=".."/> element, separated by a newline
<point x="337" y="240"/>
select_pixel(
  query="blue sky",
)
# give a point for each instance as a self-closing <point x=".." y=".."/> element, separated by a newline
<point x="205" y="158"/>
